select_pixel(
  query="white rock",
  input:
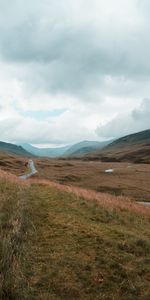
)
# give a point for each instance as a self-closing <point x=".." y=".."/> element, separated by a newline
<point x="109" y="171"/>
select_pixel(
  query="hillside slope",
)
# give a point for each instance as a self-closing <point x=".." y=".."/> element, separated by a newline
<point x="85" y="147"/>
<point x="56" y="244"/>
<point x="66" y="151"/>
<point x="14" y="149"/>
<point x="134" y="147"/>
<point x="45" y="152"/>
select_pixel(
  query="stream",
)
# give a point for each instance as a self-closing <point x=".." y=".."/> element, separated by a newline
<point x="144" y="203"/>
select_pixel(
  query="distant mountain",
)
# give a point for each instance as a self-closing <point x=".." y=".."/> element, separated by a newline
<point x="85" y="147"/>
<point x="14" y="149"/>
<point x="45" y="152"/>
<point x="133" y="147"/>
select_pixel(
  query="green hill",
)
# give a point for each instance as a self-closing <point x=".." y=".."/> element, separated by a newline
<point x="85" y="147"/>
<point x="45" y="152"/>
<point x="13" y="149"/>
<point x="66" y="151"/>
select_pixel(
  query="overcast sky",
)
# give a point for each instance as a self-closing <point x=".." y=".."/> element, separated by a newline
<point x="73" y="70"/>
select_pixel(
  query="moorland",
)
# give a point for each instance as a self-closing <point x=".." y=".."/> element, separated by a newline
<point x="74" y="231"/>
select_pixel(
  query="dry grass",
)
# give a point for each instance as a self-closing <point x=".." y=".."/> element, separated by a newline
<point x="103" y="199"/>
<point x="80" y="250"/>
<point x="13" y="225"/>
<point x="9" y="177"/>
<point x="129" y="180"/>
<point x="135" y="149"/>
<point x="56" y="244"/>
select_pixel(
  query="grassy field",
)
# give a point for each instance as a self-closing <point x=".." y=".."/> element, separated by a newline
<point x="61" y="243"/>
<point x="130" y="180"/>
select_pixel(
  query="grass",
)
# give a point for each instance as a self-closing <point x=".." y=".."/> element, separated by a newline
<point x="111" y="190"/>
<point x="13" y="225"/>
<point x="129" y="180"/>
<point x="60" y="243"/>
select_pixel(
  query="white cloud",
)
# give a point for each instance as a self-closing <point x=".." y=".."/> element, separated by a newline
<point x="89" y="58"/>
<point x="126" y="123"/>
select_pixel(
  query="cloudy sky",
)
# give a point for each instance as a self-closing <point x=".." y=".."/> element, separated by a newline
<point x="73" y="70"/>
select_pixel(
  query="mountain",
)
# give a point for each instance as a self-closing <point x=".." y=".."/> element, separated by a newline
<point x="85" y="147"/>
<point x="14" y="149"/>
<point x="45" y="152"/>
<point x="134" y="147"/>
<point x="75" y="150"/>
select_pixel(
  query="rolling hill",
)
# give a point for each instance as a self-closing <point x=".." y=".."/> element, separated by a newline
<point x="14" y="149"/>
<point x="45" y="152"/>
<point x="85" y="147"/>
<point x="70" y="150"/>
<point x="133" y="147"/>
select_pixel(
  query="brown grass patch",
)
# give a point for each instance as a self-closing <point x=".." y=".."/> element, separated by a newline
<point x="13" y="226"/>
<point x="106" y="200"/>
<point x="12" y="178"/>
<point x="65" y="242"/>
<point x="132" y="180"/>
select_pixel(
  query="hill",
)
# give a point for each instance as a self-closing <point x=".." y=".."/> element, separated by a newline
<point x="85" y="147"/>
<point x="60" y="243"/>
<point x="45" y="152"/>
<point x="76" y="149"/>
<point x="133" y="147"/>
<point x="14" y="149"/>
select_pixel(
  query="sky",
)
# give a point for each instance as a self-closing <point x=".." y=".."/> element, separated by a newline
<point x="73" y="70"/>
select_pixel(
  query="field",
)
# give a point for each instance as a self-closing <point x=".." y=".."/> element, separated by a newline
<point x="131" y="180"/>
<point x="56" y="244"/>
<point x="61" y="238"/>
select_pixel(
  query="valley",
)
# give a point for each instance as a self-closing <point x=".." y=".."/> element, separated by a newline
<point x="74" y="150"/>
<point x="130" y="180"/>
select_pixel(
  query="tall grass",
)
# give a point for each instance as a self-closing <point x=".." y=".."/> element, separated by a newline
<point x="13" y="224"/>
<point x="106" y="200"/>
<point x="75" y="248"/>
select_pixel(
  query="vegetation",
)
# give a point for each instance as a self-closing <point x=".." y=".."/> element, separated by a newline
<point x="13" y="225"/>
<point x="85" y="147"/>
<point x="58" y="243"/>
<point x="134" y="148"/>
<point x="129" y="180"/>
<point x="13" y="149"/>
